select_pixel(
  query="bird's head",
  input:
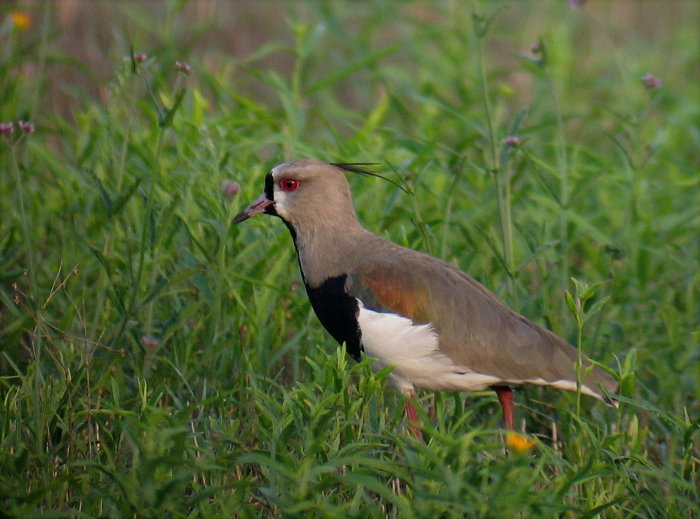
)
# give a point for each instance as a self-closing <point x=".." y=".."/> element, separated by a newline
<point x="304" y="193"/>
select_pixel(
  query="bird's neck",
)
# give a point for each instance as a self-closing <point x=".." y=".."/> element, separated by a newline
<point x="327" y="249"/>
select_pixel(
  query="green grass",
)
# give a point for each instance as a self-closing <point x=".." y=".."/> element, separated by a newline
<point x="157" y="362"/>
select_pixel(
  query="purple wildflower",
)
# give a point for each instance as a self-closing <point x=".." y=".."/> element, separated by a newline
<point x="183" y="67"/>
<point x="651" y="81"/>
<point x="26" y="126"/>
<point x="230" y="189"/>
<point x="149" y="342"/>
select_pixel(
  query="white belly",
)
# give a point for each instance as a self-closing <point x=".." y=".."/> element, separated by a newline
<point x="413" y="350"/>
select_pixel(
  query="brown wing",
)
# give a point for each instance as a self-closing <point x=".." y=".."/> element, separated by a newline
<point x="475" y="328"/>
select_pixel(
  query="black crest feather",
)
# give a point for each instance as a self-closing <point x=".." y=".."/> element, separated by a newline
<point x="365" y="168"/>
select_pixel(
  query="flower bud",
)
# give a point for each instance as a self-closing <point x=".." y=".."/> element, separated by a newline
<point x="183" y="67"/>
<point x="651" y="81"/>
<point x="26" y="126"/>
<point x="230" y="189"/>
<point x="511" y="140"/>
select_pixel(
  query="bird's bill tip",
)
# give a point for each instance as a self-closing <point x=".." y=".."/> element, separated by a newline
<point x="258" y="206"/>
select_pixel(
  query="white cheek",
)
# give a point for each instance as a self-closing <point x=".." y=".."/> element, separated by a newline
<point x="281" y="201"/>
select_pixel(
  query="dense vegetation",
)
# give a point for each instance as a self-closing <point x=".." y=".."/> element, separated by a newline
<point x="157" y="362"/>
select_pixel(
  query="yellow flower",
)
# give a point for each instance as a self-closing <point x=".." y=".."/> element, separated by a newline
<point x="518" y="442"/>
<point x="20" y="19"/>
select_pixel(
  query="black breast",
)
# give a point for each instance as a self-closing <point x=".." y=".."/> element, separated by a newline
<point x="337" y="312"/>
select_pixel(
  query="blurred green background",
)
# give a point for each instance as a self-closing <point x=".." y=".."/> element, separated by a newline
<point x="155" y="361"/>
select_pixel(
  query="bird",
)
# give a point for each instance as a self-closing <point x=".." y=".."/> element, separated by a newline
<point x="438" y="328"/>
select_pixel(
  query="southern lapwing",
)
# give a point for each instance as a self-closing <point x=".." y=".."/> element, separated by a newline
<point x="439" y="328"/>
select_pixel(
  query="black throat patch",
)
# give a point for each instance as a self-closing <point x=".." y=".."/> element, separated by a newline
<point x="269" y="184"/>
<point x="337" y="312"/>
<point x="270" y="194"/>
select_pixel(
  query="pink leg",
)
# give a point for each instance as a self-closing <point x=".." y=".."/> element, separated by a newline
<point x="505" y="397"/>
<point x="412" y="417"/>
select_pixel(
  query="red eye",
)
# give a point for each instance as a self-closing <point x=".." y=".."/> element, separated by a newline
<point x="289" y="184"/>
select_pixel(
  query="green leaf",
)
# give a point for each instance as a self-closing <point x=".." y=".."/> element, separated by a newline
<point x="123" y="198"/>
<point x="574" y="307"/>
<point x="167" y="119"/>
<point x="597" y="307"/>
